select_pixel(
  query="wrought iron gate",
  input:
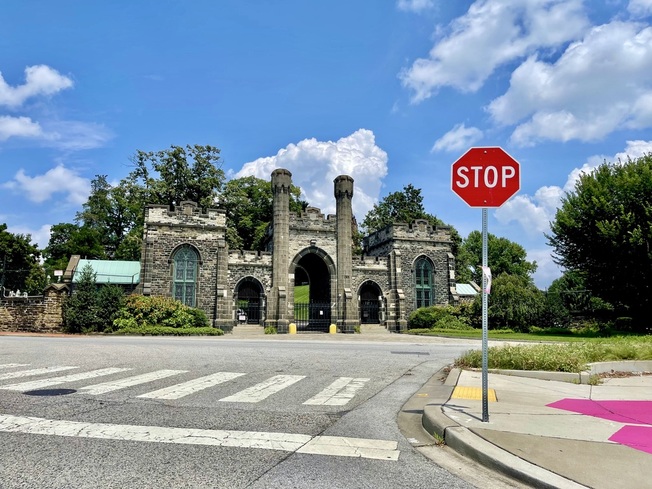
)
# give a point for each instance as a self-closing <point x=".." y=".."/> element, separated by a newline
<point x="314" y="316"/>
<point x="369" y="312"/>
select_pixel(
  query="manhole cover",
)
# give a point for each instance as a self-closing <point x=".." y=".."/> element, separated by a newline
<point x="50" y="392"/>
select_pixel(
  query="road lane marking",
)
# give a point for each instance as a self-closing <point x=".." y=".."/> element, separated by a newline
<point x="351" y="447"/>
<point x="186" y="388"/>
<point x="32" y="372"/>
<point x="265" y="389"/>
<point x="338" y="393"/>
<point x="39" y="384"/>
<point x="12" y="365"/>
<point x="289" y="442"/>
<point x="115" y="385"/>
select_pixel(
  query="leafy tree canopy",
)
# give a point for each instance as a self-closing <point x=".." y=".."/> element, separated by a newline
<point x="248" y="202"/>
<point x="19" y="259"/>
<point x="403" y="206"/>
<point x="68" y="239"/>
<point x="503" y="256"/>
<point x="603" y="230"/>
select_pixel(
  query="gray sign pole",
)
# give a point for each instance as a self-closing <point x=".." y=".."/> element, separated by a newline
<point x="485" y="321"/>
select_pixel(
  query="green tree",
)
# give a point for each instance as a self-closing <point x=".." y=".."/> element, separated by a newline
<point x="404" y="207"/>
<point x="81" y="309"/>
<point x="603" y="230"/>
<point x="179" y="173"/>
<point x="503" y="256"/>
<point x="514" y="303"/>
<point x="248" y="202"/>
<point x="116" y="214"/>
<point x="167" y="177"/>
<point x="19" y="259"/>
<point x="68" y="239"/>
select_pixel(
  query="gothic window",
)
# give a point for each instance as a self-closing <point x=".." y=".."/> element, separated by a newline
<point x="423" y="281"/>
<point x="185" y="275"/>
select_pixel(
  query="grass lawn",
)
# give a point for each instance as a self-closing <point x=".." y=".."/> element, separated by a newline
<point x="301" y="294"/>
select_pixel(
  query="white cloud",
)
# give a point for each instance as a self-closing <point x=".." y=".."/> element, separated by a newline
<point x="458" y="138"/>
<point x="600" y="84"/>
<point x="18" y="126"/>
<point x="415" y="5"/>
<point x="640" y="8"/>
<point x="315" y="164"/>
<point x="547" y="269"/>
<point x="490" y="34"/>
<point x="58" y="180"/>
<point x="534" y="212"/>
<point x="39" y="80"/>
<point x="75" y="135"/>
<point x="40" y="236"/>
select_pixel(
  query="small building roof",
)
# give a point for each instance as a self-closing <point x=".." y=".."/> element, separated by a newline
<point x="111" y="271"/>
<point x="466" y="289"/>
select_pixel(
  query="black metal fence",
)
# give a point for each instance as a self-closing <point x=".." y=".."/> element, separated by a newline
<point x="312" y="317"/>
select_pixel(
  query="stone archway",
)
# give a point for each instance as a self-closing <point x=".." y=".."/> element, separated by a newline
<point x="313" y="269"/>
<point x="249" y="301"/>
<point x="370" y="302"/>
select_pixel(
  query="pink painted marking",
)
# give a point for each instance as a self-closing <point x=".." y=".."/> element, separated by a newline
<point x="637" y="437"/>
<point x="632" y="412"/>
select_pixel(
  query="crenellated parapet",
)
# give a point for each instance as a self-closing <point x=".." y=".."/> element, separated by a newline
<point x="419" y="230"/>
<point x="312" y="219"/>
<point x="186" y="214"/>
<point x="253" y="258"/>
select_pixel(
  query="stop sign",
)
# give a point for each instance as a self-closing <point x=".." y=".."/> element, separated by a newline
<point x="486" y="177"/>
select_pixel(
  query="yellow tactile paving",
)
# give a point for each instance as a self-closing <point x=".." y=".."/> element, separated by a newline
<point x="473" y="393"/>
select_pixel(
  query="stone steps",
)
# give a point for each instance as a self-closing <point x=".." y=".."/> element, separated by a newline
<point x="248" y="330"/>
<point x="373" y="329"/>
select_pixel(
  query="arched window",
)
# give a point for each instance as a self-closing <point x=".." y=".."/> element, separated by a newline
<point x="423" y="281"/>
<point x="185" y="275"/>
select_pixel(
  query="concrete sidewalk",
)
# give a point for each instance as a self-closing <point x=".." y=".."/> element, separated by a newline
<point x="549" y="433"/>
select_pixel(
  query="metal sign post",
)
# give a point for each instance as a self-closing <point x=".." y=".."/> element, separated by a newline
<point x="485" y="322"/>
<point x="485" y="177"/>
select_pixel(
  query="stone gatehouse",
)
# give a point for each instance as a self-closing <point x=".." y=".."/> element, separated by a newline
<point x="403" y="267"/>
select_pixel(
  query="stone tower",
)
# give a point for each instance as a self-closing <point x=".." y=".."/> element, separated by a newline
<point x="277" y="306"/>
<point x="347" y="310"/>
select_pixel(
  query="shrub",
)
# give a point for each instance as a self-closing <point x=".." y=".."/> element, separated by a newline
<point x="427" y="317"/>
<point x="110" y="299"/>
<point x="161" y="312"/>
<point x="270" y="330"/>
<point x="80" y="310"/>
<point x="452" y="322"/>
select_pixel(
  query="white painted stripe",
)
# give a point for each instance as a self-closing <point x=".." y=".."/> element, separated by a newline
<point x="34" y="371"/>
<point x="351" y="447"/>
<point x="115" y="385"/>
<point x="192" y="386"/>
<point x="265" y="389"/>
<point x="289" y="442"/>
<point x="12" y="365"/>
<point x="338" y="393"/>
<point x="39" y="384"/>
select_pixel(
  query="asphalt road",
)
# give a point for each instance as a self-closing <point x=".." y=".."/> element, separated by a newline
<point x="213" y="412"/>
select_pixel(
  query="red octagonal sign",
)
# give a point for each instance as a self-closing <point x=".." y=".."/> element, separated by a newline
<point x="486" y="177"/>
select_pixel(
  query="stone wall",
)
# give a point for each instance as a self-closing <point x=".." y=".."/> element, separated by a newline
<point x="35" y="314"/>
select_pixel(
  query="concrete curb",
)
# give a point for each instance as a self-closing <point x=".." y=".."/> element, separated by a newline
<point x="471" y="445"/>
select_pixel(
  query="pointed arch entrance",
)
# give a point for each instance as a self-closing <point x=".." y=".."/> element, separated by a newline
<point x="370" y="297"/>
<point x="313" y="269"/>
<point x="249" y="301"/>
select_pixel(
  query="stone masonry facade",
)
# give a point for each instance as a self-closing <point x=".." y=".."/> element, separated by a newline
<point x="302" y="248"/>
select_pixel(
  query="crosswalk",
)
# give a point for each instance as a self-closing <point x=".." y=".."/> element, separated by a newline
<point x="338" y="392"/>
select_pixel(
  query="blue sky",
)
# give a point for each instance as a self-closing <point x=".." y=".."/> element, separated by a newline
<point x="389" y="92"/>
